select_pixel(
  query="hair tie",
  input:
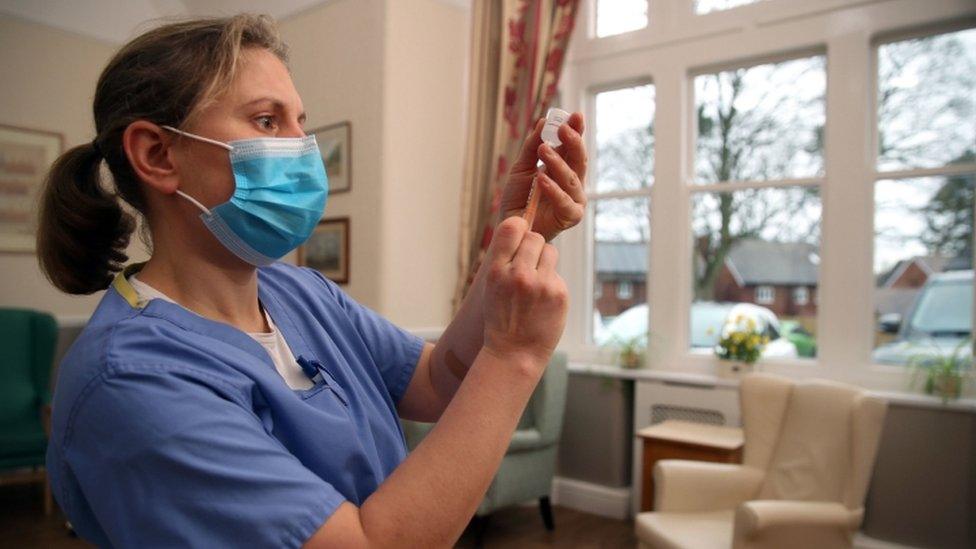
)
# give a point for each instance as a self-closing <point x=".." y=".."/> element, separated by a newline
<point x="98" y="150"/>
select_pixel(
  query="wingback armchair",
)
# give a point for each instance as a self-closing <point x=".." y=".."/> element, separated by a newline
<point x="27" y="344"/>
<point x="527" y="470"/>
<point x="809" y="451"/>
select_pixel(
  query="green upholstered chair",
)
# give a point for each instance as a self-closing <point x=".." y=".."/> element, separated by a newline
<point x="527" y="470"/>
<point x="27" y="344"/>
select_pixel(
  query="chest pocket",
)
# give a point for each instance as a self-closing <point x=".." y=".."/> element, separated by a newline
<point x="323" y="380"/>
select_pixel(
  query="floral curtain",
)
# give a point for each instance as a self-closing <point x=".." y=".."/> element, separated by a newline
<point x="517" y="54"/>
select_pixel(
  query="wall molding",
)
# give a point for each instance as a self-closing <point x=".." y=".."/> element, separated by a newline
<point x="596" y="499"/>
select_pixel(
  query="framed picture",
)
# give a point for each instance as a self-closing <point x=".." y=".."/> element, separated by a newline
<point x="327" y="250"/>
<point x="335" y="144"/>
<point x="25" y="156"/>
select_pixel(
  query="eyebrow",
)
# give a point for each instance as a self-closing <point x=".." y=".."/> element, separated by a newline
<point x="277" y="105"/>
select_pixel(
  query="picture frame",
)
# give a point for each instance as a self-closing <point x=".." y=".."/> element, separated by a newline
<point x="327" y="250"/>
<point x="26" y="154"/>
<point x="335" y="146"/>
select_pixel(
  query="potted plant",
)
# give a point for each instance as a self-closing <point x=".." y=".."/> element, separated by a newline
<point x="740" y="346"/>
<point x="944" y="374"/>
<point x="629" y="352"/>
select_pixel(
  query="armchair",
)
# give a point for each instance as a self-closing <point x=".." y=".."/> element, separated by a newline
<point x="27" y="342"/>
<point x="809" y="451"/>
<point x="527" y="470"/>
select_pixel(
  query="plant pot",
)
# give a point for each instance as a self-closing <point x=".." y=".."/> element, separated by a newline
<point x="630" y="359"/>
<point x="734" y="369"/>
<point x="947" y="387"/>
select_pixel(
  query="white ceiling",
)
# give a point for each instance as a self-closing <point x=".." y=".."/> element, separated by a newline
<point x="116" y="21"/>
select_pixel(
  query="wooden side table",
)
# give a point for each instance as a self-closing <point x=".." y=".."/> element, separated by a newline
<point x="674" y="439"/>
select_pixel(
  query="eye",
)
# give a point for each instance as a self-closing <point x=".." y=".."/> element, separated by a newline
<point x="267" y="122"/>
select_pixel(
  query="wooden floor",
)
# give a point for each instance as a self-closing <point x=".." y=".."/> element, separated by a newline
<point x="23" y="524"/>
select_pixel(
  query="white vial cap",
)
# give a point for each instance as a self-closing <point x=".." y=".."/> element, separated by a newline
<point x="554" y="118"/>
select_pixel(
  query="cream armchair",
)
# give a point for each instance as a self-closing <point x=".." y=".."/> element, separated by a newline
<point x="809" y="451"/>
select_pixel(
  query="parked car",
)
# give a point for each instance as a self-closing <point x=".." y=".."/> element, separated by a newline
<point x="806" y="344"/>
<point x="707" y="320"/>
<point x="939" y="321"/>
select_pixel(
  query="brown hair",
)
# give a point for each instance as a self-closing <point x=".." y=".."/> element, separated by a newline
<point x="166" y="75"/>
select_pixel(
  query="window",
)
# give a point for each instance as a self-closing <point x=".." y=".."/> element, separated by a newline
<point x="740" y="157"/>
<point x="625" y="290"/>
<point x="756" y="198"/>
<point x="801" y="296"/>
<point x="924" y="195"/>
<point x="620" y="16"/>
<point x="620" y="204"/>
<point x="708" y="6"/>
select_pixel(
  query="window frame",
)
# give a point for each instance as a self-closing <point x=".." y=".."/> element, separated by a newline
<point x="805" y="292"/>
<point x="675" y="44"/>
<point x="765" y="295"/>
<point x="621" y="294"/>
<point x="593" y="197"/>
<point x="878" y="175"/>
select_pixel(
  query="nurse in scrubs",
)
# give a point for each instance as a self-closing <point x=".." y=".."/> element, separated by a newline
<point x="219" y="397"/>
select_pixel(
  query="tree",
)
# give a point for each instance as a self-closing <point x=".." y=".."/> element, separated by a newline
<point x="949" y="217"/>
<point x="625" y="162"/>
<point x="927" y="118"/>
<point x="751" y="127"/>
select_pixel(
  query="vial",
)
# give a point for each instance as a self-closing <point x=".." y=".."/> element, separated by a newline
<point x="554" y="118"/>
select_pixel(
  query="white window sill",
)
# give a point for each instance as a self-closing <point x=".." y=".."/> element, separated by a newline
<point x="899" y="398"/>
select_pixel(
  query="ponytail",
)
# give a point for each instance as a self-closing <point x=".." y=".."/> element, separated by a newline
<point x="83" y="230"/>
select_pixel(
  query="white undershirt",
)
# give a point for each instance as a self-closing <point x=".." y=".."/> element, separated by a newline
<point x="273" y="342"/>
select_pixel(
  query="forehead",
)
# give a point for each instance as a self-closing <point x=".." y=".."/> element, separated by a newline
<point x="262" y="74"/>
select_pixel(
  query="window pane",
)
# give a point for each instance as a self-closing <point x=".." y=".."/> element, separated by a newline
<point x="706" y="6"/>
<point x="620" y="241"/>
<point x="927" y="102"/>
<point x="761" y="123"/>
<point x="923" y="266"/>
<point x="625" y="139"/>
<point x="619" y="16"/>
<point x="754" y="249"/>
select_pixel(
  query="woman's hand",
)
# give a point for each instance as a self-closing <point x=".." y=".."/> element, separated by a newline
<point x="525" y="299"/>
<point x="563" y="198"/>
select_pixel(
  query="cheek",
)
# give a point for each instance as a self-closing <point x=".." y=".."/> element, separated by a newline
<point x="213" y="180"/>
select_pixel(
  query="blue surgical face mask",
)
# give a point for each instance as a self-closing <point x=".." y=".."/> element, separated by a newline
<point x="280" y="194"/>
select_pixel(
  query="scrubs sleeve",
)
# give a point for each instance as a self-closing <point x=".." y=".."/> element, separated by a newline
<point x="168" y="458"/>
<point x="394" y="351"/>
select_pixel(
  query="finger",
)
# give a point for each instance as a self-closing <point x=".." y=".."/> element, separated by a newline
<point x="559" y="171"/>
<point x="577" y="122"/>
<point x="504" y="243"/>
<point x="573" y="149"/>
<point x="527" y="256"/>
<point x="548" y="259"/>
<point x="567" y="211"/>
<point x="527" y="155"/>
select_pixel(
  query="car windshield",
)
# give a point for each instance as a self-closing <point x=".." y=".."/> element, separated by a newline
<point x="945" y="309"/>
<point x="706" y="324"/>
<point x="628" y="325"/>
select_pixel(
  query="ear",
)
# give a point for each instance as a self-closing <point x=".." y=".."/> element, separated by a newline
<point x="148" y="148"/>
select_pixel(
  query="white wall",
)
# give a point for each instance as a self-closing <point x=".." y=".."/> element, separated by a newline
<point x="423" y="142"/>
<point x="49" y="81"/>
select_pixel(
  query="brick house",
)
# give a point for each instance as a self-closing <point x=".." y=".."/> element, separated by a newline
<point x="621" y="276"/>
<point x="781" y="276"/>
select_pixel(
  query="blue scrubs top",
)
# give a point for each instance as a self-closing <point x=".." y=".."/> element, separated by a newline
<point x="172" y="430"/>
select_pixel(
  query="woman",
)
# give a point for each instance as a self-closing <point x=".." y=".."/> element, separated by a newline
<point x="220" y="398"/>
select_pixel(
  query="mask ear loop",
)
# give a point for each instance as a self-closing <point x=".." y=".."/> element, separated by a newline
<point x="199" y="138"/>
<point x="195" y="202"/>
